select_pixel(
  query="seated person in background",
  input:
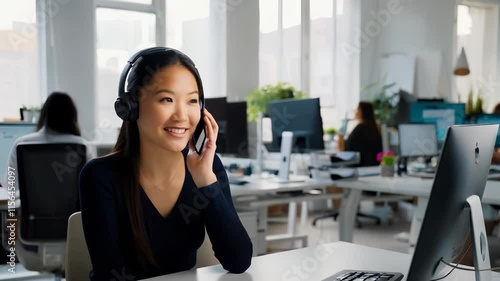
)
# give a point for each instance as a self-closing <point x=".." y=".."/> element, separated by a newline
<point x="365" y="138"/>
<point x="145" y="206"/>
<point x="58" y="123"/>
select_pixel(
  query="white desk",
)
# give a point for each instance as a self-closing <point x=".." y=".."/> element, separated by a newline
<point x="259" y="193"/>
<point x="313" y="263"/>
<point x="413" y="186"/>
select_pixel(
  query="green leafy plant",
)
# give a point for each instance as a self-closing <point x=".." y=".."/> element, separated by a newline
<point x="258" y="98"/>
<point x="474" y="107"/>
<point x="386" y="158"/>
<point x="384" y="105"/>
<point x="330" y="131"/>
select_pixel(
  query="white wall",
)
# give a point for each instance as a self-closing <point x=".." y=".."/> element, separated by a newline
<point x="422" y="28"/>
<point x="419" y="28"/>
<point x="71" y="64"/>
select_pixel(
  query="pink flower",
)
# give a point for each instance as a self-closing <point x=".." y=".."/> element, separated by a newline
<point x="379" y="156"/>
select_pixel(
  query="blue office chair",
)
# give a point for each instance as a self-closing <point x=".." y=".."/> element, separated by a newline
<point x="48" y="184"/>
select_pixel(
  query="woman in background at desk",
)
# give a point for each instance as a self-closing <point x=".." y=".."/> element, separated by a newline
<point x="365" y="138"/>
<point x="146" y="205"/>
<point x="58" y="123"/>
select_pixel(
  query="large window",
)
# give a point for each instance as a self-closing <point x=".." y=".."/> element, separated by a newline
<point x="138" y="31"/>
<point x="285" y="40"/>
<point x="19" y="74"/>
<point x="197" y="28"/>
<point x="279" y="42"/>
<point x="477" y="34"/>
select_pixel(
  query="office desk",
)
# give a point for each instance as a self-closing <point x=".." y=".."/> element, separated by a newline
<point x="313" y="263"/>
<point x="260" y="193"/>
<point x="413" y="186"/>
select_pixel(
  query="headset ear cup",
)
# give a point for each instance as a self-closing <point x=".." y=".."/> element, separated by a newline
<point x="122" y="109"/>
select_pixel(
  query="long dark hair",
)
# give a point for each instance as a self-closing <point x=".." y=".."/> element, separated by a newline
<point x="59" y="114"/>
<point x="367" y="114"/>
<point x="128" y="144"/>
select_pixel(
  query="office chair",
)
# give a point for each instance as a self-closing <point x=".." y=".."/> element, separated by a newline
<point x="366" y="159"/>
<point x="77" y="262"/>
<point x="48" y="184"/>
<point x="205" y="255"/>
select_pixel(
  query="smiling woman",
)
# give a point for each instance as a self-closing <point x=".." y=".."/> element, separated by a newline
<point x="145" y="195"/>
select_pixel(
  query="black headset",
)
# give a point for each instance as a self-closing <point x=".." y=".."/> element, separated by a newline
<point x="126" y="105"/>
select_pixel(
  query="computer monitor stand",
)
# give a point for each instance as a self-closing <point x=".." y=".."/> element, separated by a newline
<point x="285" y="155"/>
<point x="481" y="254"/>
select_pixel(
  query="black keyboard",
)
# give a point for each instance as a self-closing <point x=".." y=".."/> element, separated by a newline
<point x="236" y="181"/>
<point x="358" y="275"/>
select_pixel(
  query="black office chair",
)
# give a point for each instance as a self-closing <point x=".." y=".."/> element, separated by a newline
<point x="366" y="159"/>
<point x="48" y="184"/>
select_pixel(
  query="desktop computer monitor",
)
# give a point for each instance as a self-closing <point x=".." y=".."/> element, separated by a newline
<point x="302" y="117"/>
<point x="489" y="119"/>
<point x="417" y="140"/>
<point x="231" y="118"/>
<point x="403" y="107"/>
<point x="462" y="172"/>
<point x="440" y="113"/>
<point x="9" y="133"/>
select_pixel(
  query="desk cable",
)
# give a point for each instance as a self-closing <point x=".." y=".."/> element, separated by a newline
<point x="462" y="268"/>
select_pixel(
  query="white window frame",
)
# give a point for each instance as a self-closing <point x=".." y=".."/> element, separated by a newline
<point x="157" y="8"/>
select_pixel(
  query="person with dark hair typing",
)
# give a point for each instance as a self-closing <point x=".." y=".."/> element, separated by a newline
<point x="365" y="138"/>
<point x="146" y="205"/>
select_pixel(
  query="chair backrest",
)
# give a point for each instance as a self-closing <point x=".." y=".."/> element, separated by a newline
<point x="205" y="254"/>
<point x="77" y="263"/>
<point x="48" y="184"/>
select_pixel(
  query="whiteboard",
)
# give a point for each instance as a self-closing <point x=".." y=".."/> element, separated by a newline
<point x="400" y="69"/>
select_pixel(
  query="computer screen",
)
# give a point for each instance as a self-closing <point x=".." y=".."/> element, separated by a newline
<point x="231" y="118"/>
<point x="489" y="119"/>
<point x="9" y="133"/>
<point x="440" y="113"/>
<point x="462" y="172"/>
<point x="403" y="107"/>
<point x="300" y="116"/>
<point x="417" y="140"/>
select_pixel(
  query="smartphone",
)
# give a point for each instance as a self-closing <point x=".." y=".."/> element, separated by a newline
<point x="199" y="135"/>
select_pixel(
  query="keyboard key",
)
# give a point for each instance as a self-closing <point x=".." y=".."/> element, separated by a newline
<point x="358" y="275"/>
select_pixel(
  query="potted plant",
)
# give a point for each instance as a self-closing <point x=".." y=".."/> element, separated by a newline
<point x="387" y="160"/>
<point x="36" y="113"/>
<point x="258" y="98"/>
<point x="329" y="133"/>
<point x="27" y="113"/>
<point x="384" y="105"/>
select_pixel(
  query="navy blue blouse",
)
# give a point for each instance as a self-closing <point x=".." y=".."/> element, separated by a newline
<point x="174" y="239"/>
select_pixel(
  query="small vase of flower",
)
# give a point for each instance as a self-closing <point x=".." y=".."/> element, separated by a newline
<point x="387" y="160"/>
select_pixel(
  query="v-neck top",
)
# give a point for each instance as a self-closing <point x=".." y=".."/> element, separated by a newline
<point x="173" y="239"/>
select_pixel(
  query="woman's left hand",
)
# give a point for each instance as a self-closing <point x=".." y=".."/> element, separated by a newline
<point x="200" y="165"/>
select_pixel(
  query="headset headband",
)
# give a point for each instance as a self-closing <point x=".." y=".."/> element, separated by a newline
<point x="137" y="57"/>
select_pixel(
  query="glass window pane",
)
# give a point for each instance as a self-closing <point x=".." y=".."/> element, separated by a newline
<point x="19" y="76"/>
<point x="290" y="66"/>
<point x="200" y="33"/>
<point x="321" y="46"/>
<point x="269" y="42"/>
<point x="113" y="51"/>
<point x="268" y="15"/>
